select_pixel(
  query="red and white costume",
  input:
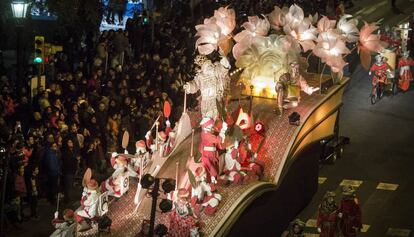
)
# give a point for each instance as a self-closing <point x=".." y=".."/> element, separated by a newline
<point x="405" y="72"/>
<point x="89" y="202"/>
<point x="162" y="140"/>
<point x="169" y="144"/>
<point x="248" y="159"/>
<point x="204" y="196"/>
<point x="114" y="184"/>
<point x="232" y="168"/>
<point x="182" y="222"/>
<point x="141" y="156"/>
<point x="380" y="72"/>
<point x="209" y="145"/>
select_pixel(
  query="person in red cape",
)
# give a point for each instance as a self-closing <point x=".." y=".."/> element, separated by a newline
<point x="327" y="221"/>
<point x="349" y="213"/>
<point x="405" y="72"/>
<point x="209" y="146"/>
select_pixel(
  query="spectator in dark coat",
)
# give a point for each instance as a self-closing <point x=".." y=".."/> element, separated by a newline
<point x="53" y="170"/>
<point x="70" y="160"/>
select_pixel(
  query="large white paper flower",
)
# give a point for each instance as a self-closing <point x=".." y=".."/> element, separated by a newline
<point x="225" y="19"/>
<point x="277" y="18"/>
<point x="209" y="35"/>
<point x="348" y="28"/>
<point x="300" y="28"/>
<point x="254" y="27"/>
<point x="215" y="32"/>
<point x="330" y="48"/>
<point x="368" y="43"/>
<point x="324" y="24"/>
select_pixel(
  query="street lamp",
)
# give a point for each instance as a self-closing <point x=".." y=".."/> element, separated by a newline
<point x="153" y="184"/>
<point x="19" y="9"/>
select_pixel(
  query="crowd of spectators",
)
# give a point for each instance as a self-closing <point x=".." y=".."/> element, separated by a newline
<point x="101" y="85"/>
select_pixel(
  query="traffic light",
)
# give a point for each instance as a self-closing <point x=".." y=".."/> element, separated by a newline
<point x="39" y="53"/>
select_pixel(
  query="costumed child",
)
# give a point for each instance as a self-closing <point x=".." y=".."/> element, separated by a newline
<point x="89" y="201"/>
<point x="182" y="221"/>
<point x="380" y="69"/>
<point x="349" y="213"/>
<point x="141" y="155"/>
<point x="248" y="158"/>
<point x="405" y="72"/>
<point x="209" y="146"/>
<point x="161" y="139"/>
<point x="232" y="168"/>
<point x="115" y="183"/>
<point x="327" y="221"/>
<point x="204" y="196"/>
<point x="65" y="227"/>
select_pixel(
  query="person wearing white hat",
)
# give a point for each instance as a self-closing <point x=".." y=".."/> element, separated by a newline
<point x="141" y="155"/>
<point x="115" y="182"/>
<point x="232" y="168"/>
<point x="89" y="201"/>
<point x="405" y="72"/>
<point x="162" y="139"/>
<point x="209" y="146"/>
<point x="204" y="197"/>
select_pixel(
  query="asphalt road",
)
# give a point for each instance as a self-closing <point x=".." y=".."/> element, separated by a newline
<point x="380" y="157"/>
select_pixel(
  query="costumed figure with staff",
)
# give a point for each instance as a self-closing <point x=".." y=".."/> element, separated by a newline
<point x="89" y="201"/>
<point x="204" y="196"/>
<point x="211" y="80"/>
<point x="115" y="183"/>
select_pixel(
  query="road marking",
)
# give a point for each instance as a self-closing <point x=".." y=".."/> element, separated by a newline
<point x="387" y="186"/>
<point x="311" y="235"/>
<point x="350" y="182"/>
<point x="365" y="228"/>
<point x="311" y="223"/>
<point x="398" y="232"/>
<point x="321" y="180"/>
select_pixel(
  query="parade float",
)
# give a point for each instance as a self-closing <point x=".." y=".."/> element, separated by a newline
<point x="247" y="162"/>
